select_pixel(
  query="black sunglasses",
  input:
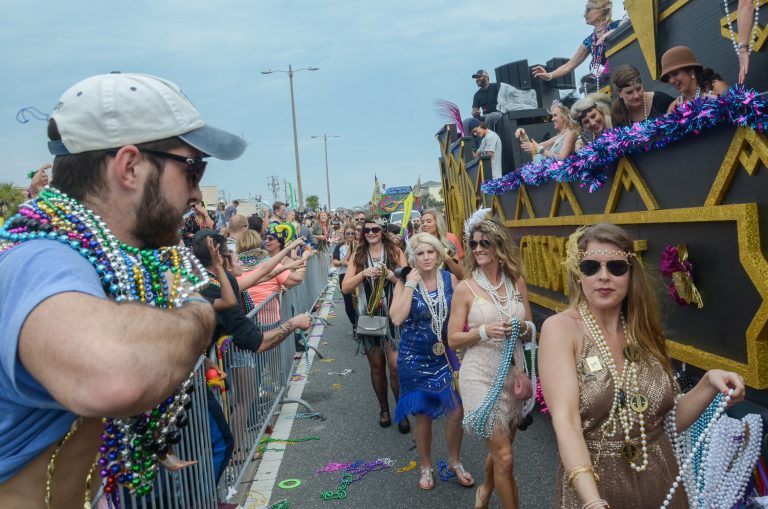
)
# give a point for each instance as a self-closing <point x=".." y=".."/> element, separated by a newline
<point x="616" y="267"/>
<point x="374" y="230"/>
<point x="195" y="165"/>
<point x="349" y="233"/>
<point x="484" y="243"/>
<point x="268" y="238"/>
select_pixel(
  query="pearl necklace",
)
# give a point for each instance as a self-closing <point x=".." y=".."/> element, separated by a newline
<point x="503" y="304"/>
<point x="438" y="307"/>
<point x="752" y="33"/>
<point x="682" y="100"/>
<point x="626" y="392"/>
<point x="686" y="450"/>
<point x="483" y="418"/>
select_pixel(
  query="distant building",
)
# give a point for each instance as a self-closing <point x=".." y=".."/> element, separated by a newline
<point x="433" y="188"/>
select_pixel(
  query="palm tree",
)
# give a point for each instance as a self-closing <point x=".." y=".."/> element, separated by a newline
<point x="10" y="199"/>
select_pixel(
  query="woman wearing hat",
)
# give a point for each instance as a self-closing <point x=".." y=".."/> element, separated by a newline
<point x="692" y="80"/>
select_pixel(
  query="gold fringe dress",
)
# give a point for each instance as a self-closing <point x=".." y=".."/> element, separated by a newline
<point x="620" y="485"/>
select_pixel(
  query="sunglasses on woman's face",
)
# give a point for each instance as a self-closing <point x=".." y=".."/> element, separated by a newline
<point x="373" y="230"/>
<point x="350" y="233"/>
<point x="267" y="239"/>
<point x="484" y="243"/>
<point x="616" y="267"/>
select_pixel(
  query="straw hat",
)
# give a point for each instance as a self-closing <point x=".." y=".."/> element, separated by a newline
<point x="677" y="58"/>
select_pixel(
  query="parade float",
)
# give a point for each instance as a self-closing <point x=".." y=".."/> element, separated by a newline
<point x="691" y="186"/>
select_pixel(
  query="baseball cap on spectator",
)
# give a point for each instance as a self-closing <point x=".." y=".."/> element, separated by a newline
<point x="112" y="110"/>
<point x="200" y="244"/>
<point x="480" y="73"/>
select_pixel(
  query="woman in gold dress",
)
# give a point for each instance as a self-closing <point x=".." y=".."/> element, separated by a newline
<point x="607" y="379"/>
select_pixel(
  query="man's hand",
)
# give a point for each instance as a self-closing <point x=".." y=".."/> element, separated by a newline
<point x="476" y="112"/>
<point x="302" y="321"/>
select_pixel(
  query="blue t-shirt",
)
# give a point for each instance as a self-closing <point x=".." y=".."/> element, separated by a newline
<point x="30" y="419"/>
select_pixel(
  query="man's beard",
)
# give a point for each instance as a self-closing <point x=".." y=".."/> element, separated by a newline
<point x="157" y="221"/>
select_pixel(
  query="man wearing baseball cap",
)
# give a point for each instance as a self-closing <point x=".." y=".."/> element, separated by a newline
<point x="98" y="307"/>
<point x="483" y="104"/>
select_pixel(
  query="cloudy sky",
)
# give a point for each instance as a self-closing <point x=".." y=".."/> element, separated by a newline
<point x="382" y="66"/>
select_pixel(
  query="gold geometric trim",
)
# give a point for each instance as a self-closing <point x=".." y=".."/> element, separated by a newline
<point x="755" y="370"/>
<point x="563" y="192"/>
<point x="762" y="33"/>
<point x="628" y="176"/>
<point x="523" y="200"/>
<point x="632" y="38"/>
<point x="747" y="149"/>
<point x="645" y="21"/>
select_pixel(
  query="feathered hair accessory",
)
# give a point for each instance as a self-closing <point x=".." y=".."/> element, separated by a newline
<point x="450" y="112"/>
<point x="573" y="254"/>
<point x="474" y="220"/>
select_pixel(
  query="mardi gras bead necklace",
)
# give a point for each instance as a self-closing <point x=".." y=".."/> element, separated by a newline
<point x="482" y="419"/>
<point x="438" y="310"/>
<point x="753" y="33"/>
<point x="252" y="258"/>
<point x="628" y="403"/>
<point x="165" y="277"/>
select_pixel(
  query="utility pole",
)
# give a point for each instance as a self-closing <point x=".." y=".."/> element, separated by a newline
<point x="273" y="184"/>
<point x="290" y="72"/>
<point x="327" y="178"/>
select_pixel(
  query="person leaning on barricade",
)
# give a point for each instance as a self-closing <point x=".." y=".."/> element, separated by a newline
<point x="231" y="320"/>
<point x="130" y="152"/>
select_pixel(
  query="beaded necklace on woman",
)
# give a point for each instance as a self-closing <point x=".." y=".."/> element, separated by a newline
<point x="596" y="66"/>
<point x="438" y="309"/>
<point x="163" y="278"/>
<point x="626" y="393"/>
<point x="482" y="419"/>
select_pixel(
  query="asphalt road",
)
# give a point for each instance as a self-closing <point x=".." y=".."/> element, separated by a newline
<point x="351" y="432"/>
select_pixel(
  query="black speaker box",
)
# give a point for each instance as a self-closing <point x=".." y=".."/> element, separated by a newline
<point x="516" y="74"/>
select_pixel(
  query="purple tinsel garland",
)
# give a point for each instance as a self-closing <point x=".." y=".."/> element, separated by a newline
<point x="738" y="106"/>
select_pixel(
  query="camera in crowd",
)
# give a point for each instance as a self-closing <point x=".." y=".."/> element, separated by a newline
<point x="402" y="272"/>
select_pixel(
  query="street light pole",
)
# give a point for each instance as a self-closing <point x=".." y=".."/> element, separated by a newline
<point x="327" y="178"/>
<point x="290" y="72"/>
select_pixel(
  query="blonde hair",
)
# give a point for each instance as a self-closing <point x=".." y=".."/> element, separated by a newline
<point x="565" y="112"/>
<point x="606" y="6"/>
<point x="597" y="100"/>
<point x="506" y="249"/>
<point x="238" y="222"/>
<point x="248" y="241"/>
<point x="442" y="228"/>
<point x="425" y="238"/>
<point x="639" y="306"/>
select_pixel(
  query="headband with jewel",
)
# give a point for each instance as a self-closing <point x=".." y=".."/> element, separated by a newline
<point x="573" y="255"/>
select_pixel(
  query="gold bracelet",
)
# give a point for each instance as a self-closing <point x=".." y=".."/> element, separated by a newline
<point x="580" y="469"/>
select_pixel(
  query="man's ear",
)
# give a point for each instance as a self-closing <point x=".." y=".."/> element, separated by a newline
<point x="124" y="168"/>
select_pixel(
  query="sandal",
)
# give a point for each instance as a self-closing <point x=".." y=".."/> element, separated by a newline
<point x="404" y="426"/>
<point x="427" y="481"/>
<point x="385" y="422"/>
<point x="479" y="502"/>
<point x="462" y="476"/>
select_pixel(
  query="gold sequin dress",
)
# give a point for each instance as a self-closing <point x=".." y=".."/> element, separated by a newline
<point x="620" y="485"/>
<point x="481" y="360"/>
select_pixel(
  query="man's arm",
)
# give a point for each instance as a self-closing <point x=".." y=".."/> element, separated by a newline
<point x="99" y="358"/>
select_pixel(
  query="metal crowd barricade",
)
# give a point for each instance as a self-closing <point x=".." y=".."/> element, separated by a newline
<point x="193" y="486"/>
<point x="258" y="383"/>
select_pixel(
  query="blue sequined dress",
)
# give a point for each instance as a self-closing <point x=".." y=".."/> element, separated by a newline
<point x="425" y="378"/>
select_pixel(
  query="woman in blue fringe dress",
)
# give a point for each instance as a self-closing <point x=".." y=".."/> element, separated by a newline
<point x="421" y="304"/>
